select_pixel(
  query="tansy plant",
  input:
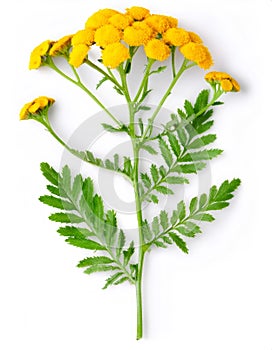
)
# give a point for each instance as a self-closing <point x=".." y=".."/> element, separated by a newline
<point x="182" y="142"/>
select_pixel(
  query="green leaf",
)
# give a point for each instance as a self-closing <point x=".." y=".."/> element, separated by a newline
<point x="183" y="138"/>
<point x="217" y="206"/>
<point x="112" y="129"/>
<point x="56" y="202"/>
<point x="121" y="280"/>
<point x="128" y="253"/>
<point x="76" y="232"/>
<point x="193" y="205"/>
<point x="159" y="244"/>
<point x="98" y="207"/>
<point x="189" y="108"/>
<point x="202" y="141"/>
<point x="154" y="199"/>
<point x="85" y="243"/>
<point x="100" y="268"/>
<point x="165" y="151"/>
<point x="147" y="233"/>
<point x="201" y="155"/>
<point x="204" y="127"/>
<point x="49" y="173"/>
<point x="154" y="173"/>
<point x="213" y="192"/>
<point x="181" y="210"/>
<point x="101" y="82"/>
<point x="77" y="187"/>
<point x="203" y="200"/>
<point x="96" y="260"/>
<point x="164" y="190"/>
<point x="203" y="217"/>
<point x="66" y="218"/>
<point x="164" y="221"/>
<point x="156" y="226"/>
<point x="54" y="190"/>
<point x="225" y="190"/>
<point x="120" y="244"/>
<point x="149" y="149"/>
<point x="179" y="242"/>
<point x="146" y="180"/>
<point x="202" y="100"/>
<point x="159" y="70"/>
<point x="192" y="168"/>
<point x="66" y="179"/>
<point x="110" y="227"/>
<point x="88" y="189"/>
<point x="112" y="279"/>
<point x="175" y="146"/>
<point x="174" y="180"/>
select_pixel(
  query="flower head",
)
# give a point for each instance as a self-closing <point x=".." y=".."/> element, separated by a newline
<point x="226" y="81"/>
<point x="195" y="38"/>
<point x="36" y="107"/>
<point x="138" y="34"/>
<point x="161" y="23"/>
<point x="176" y="37"/>
<point x="85" y="36"/>
<point x="78" y="55"/>
<point x="37" y="55"/>
<point x="107" y="35"/>
<point x="121" y="21"/>
<point x="115" y="54"/>
<point x="197" y="53"/>
<point x="138" y="13"/>
<point x="100" y="18"/>
<point x="61" y="46"/>
<point x="157" y="50"/>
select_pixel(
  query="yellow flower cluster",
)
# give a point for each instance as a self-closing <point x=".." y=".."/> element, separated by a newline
<point x="227" y="82"/>
<point x="136" y="27"/>
<point x="35" y="107"/>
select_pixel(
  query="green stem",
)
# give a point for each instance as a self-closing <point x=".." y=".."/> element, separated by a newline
<point x="141" y="253"/>
<point x="182" y="69"/>
<point x="84" y="88"/>
<point x="145" y="79"/>
<point x="173" y="56"/>
<point x="106" y="75"/>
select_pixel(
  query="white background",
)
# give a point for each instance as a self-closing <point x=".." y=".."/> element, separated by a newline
<point x="217" y="297"/>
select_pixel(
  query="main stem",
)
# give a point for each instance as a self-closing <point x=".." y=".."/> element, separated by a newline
<point x="138" y="203"/>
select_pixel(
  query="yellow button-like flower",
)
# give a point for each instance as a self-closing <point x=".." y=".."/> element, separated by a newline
<point x="115" y="54"/>
<point x="78" y="55"/>
<point x="107" y="35"/>
<point x="138" y="34"/>
<point x="161" y="23"/>
<point x="195" y="38"/>
<point x="100" y="18"/>
<point x="37" y="106"/>
<point x="157" y="50"/>
<point x="121" y="21"/>
<point x="60" y="46"/>
<point x="197" y="53"/>
<point x="138" y="13"/>
<point x="176" y="37"/>
<point x="227" y="82"/>
<point x="85" y="36"/>
<point x="36" y="56"/>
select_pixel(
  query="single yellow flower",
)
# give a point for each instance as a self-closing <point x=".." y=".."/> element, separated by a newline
<point x="138" y="13"/>
<point x="60" y="46"/>
<point x="100" y="18"/>
<point x="227" y="82"/>
<point x="197" y="53"/>
<point x="157" y="50"/>
<point x="36" y="56"/>
<point x="138" y="34"/>
<point x="85" y="36"/>
<point x="176" y="37"/>
<point x="35" y="107"/>
<point x="115" y="54"/>
<point x="107" y="35"/>
<point x="121" y="21"/>
<point x="161" y="23"/>
<point x="195" y="38"/>
<point x="78" y="55"/>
